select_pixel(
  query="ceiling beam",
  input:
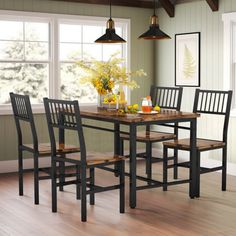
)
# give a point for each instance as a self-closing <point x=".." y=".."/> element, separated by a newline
<point x="168" y="6"/>
<point x="128" y="3"/>
<point x="214" y="4"/>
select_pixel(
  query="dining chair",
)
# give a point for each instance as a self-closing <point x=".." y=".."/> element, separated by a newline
<point x="165" y="98"/>
<point x="64" y="116"/>
<point x="23" y="116"/>
<point x="209" y="102"/>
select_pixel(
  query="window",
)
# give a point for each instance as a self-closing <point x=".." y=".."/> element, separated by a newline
<point x="229" y="20"/>
<point x="77" y="42"/>
<point x="38" y="54"/>
<point x="24" y="59"/>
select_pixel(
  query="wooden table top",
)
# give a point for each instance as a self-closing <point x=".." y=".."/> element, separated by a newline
<point x="94" y="112"/>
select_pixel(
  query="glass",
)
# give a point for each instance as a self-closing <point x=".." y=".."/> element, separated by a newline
<point x="71" y="88"/>
<point x="147" y="104"/>
<point x="36" y="51"/>
<point x="11" y="50"/>
<point x="70" y="33"/>
<point x="92" y="50"/>
<point x="24" y="78"/>
<point x="91" y="33"/>
<point x="70" y="51"/>
<point x="11" y="30"/>
<point x="36" y="31"/>
<point x="111" y="49"/>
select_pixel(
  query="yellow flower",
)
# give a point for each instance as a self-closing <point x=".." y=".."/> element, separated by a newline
<point x="104" y="75"/>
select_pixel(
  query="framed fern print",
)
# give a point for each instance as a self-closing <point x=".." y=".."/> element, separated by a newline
<point x="187" y="59"/>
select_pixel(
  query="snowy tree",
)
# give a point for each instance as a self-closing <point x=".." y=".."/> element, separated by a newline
<point x="71" y="88"/>
<point x="22" y="77"/>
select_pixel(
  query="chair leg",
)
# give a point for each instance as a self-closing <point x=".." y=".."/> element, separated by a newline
<point x="54" y="186"/>
<point x="61" y="175"/>
<point x="122" y="186"/>
<point x="78" y="193"/>
<point x="198" y="174"/>
<point x="165" y="169"/>
<point x="92" y="182"/>
<point x="175" y="163"/>
<point x="36" y="180"/>
<point x="83" y="194"/>
<point x="224" y="169"/>
<point x="149" y="160"/>
<point x="20" y="172"/>
<point x="121" y="147"/>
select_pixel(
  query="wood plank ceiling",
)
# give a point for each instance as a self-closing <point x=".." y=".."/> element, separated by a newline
<point x="168" y="5"/>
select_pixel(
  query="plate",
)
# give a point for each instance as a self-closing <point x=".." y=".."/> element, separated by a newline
<point x="148" y="113"/>
<point x="131" y="115"/>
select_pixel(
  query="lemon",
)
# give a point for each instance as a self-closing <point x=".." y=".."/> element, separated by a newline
<point x="156" y="108"/>
<point x="129" y="107"/>
<point x="135" y="106"/>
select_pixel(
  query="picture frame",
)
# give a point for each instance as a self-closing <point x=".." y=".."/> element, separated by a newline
<point x="187" y="59"/>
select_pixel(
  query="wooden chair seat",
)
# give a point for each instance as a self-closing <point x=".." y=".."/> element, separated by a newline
<point x="202" y="144"/>
<point x="45" y="148"/>
<point x="97" y="158"/>
<point x="150" y="136"/>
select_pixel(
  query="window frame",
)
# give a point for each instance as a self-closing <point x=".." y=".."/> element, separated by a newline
<point x="229" y="73"/>
<point x="54" y="61"/>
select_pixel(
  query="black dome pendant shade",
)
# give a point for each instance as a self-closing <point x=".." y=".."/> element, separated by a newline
<point x="154" y="31"/>
<point x="110" y="36"/>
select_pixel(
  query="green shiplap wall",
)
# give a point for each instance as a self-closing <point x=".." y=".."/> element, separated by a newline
<point x="198" y="17"/>
<point x="142" y="56"/>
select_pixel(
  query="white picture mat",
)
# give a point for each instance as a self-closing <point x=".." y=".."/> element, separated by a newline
<point x="187" y="59"/>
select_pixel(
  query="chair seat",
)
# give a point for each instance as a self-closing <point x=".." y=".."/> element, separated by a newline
<point x="150" y="136"/>
<point x="45" y="148"/>
<point x="96" y="158"/>
<point x="202" y="144"/>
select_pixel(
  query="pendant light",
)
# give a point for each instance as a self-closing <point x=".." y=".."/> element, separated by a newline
<point x="110" y="36"/>
<point x="154" y="31"/>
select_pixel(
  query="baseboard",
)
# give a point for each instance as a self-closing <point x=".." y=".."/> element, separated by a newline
<point x="12" y="166"/>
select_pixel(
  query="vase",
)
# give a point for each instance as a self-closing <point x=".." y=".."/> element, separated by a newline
<point x="100" y="99"/>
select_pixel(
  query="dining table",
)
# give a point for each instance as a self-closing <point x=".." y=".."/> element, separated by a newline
<point x="172" y="118"/>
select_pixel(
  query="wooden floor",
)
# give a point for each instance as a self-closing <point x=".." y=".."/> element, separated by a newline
<point x="157" y="212"/>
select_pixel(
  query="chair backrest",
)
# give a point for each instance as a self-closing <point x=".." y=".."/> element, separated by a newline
<point x="214" y="102"/>
<point x="61" y="116"/>
<point x="167" y="97"/>
<point x="22" y="111"/>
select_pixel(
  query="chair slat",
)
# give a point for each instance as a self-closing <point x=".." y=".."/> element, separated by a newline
<point x="168" y="97"/>
<point x="211" y="102"/>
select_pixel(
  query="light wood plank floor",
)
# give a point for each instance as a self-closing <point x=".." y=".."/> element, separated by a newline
<point x="157" y="212"/>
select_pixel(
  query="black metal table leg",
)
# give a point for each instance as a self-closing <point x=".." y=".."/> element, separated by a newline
<point x="116" y="145"/>
<point x="193" y="159"/>
<point x="132" y="147"/>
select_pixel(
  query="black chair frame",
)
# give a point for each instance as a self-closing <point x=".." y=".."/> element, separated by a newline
<point x="65" y="115"/>
<point x="22" y="112"/>
<point x="211" y="102"/>
<point x="165" y="98"/>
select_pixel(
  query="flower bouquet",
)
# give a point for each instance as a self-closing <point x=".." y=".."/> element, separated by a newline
<point x="105" y="75"/>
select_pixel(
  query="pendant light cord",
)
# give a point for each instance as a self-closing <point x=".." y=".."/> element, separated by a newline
<point x="110" y="9"/>
<point x="155" y="5"/>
